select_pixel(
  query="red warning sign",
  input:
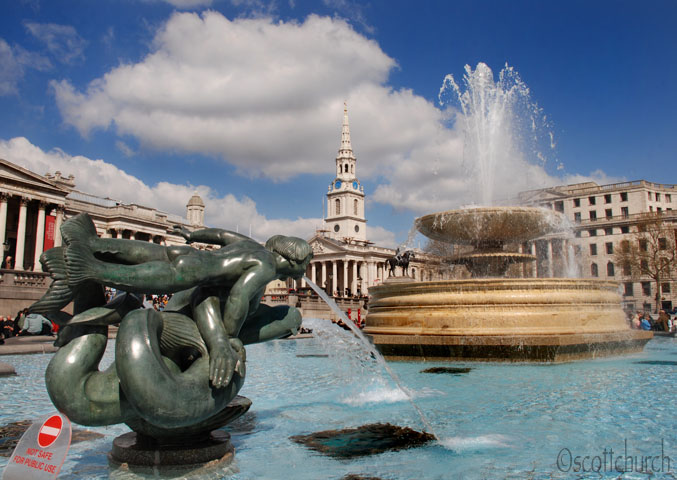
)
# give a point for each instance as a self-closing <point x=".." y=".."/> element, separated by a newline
<point x="41" y="451"/>
<point x="50" y="431"/>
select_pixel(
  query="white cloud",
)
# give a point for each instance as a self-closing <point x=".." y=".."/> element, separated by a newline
<point x="267" y="97"/>
<point x="62" y="41"/>
<point x="106" y="180"/>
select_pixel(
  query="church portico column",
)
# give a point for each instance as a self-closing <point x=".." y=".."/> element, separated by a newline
<point x="40" y="237"/>
<point x="323" y="285"/>
<point x="334" y="278"/>
<point x="57" y="226"/>
<point x="345" y="277"/>
<point x="353" y="287"/>
<point x="21" y="235"/>
<point x="313" y="272"/>
<point x="3" y="217"/>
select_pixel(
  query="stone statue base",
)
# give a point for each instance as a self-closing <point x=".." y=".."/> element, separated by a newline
<point x="132" y="455"/>
<point x="398" y="279"/>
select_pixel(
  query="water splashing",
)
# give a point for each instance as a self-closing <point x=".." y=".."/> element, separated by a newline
<point x="374" y="353"/>
<point x="503" y="127"/>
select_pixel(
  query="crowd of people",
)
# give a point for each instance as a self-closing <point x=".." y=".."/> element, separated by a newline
<point x="24" y="324"/>
<point x="663" y="323"/>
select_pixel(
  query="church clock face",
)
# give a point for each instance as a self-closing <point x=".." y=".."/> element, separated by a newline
<point x="355" y="185"/>
<point x="337" y="185"/>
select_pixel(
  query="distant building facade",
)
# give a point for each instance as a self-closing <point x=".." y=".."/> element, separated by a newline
<point x="604" y="216"/>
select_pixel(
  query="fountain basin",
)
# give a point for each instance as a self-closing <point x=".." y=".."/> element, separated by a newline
<point x="534" y="319"/>
<point x="489" y="226"/>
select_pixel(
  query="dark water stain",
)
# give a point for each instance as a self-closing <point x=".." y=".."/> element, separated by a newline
<point x="367" y="439"/>
<point x="448" y="370"/>
<point x="657" y="362"/>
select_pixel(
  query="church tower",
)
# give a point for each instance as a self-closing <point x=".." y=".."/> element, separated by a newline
<point x="345" y="198"/>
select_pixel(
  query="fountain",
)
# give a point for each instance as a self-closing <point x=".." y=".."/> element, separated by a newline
<point x="491" y="317"/>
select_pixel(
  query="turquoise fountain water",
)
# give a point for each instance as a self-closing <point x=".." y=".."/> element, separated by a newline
<point x="497" y="421"/>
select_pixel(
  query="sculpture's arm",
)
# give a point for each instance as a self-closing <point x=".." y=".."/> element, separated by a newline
<point x="243" y="294"/>
<point x="214" y="236"/>
<point x="222" y="359"/>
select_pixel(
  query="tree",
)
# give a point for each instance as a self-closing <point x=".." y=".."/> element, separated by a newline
<point x="649" y="252"/>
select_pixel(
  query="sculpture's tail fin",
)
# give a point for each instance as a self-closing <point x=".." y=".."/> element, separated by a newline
<point x="78" y="233"/>
<point x="59" y="293"/>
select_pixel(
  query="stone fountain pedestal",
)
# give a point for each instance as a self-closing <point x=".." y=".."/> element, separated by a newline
<point x="498" y="318"/>
<point x="549" y="320"/>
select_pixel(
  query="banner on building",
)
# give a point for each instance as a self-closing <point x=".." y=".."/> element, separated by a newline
<point x="50" y="222"/>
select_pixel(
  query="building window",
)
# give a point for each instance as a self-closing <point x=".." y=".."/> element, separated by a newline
<point x="624" y="196"/>
<point x="592" y="232"/>
<point x="577" y="234"/>
<point x="646" y="289"/>
<point x="609" y="248"/>
<point x="627" y="289"/>
<point x="625" y="229"/>
<point x="607" y="198"/>
<point x="355" y="207"/>
<point x="609" y="213"/>
<point x="663" y="243"/>
<point x="559" y="206"/>
<point x="644" y="266"/>
<point x="577" y="202"/>
<point x="593" y="270"/>
<point x="643" y="245"/>
<point x="625" y="246"/>
<point x="591" y="200"/>
<point x="593" y="249"/>
<point x="609" y="231"/>
<point x="649" y="195"/>
<point x="665" y="287"/>
<point x="593" y="215"/>
<point x="337" y="204"/>
<point x="668" y="198"/>
<point x="610" y="269"/>
<point x="625" y="212"/>
<point x="577" y="217"/>
<point x="658" y="197"/>
<point x="627" y="269"/>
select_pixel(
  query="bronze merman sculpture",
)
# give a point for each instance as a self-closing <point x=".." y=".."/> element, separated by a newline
<point x="175" y="371"/>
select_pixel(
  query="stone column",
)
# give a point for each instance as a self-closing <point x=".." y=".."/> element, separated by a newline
<point x="57" y="226"/>
<point x="40" y="237"/>
<point x="21" y="235"/>
<point x="334" y="277"/>
<point x="313" y="272"/>
<point x="4" y="198"/>
<point x="353" y="286"/>
<point x="551" y="265"/>
<point x="345" y="276"/>
<point x="324" y="275"/>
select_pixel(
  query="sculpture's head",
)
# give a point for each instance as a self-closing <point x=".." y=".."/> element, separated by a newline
<point x="296" y="254"/>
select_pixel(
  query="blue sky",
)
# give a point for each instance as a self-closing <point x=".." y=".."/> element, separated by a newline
<point x="147" y="101"/>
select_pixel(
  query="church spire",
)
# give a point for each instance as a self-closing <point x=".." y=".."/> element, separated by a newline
<point x="346" y="150"/>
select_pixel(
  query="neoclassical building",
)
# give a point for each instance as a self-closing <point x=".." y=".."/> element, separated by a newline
<point x="345" y="262"/>
<point x="33" y="207"/>
<point x="603" y="217"/>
